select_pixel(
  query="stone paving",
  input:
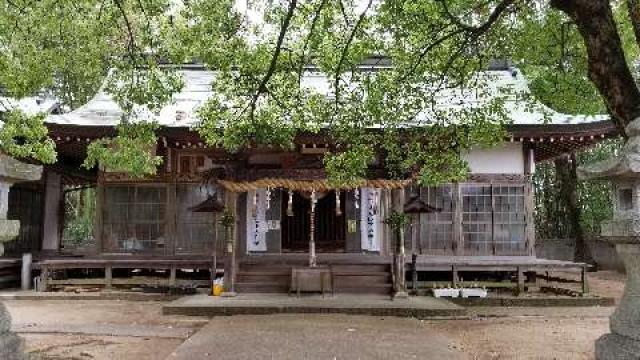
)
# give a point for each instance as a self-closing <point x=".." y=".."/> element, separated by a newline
<point x="313" y="336"/>
<point x="260" y="304"/>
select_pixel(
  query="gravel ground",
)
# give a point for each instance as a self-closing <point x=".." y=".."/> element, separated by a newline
<point x="125" y="330"/>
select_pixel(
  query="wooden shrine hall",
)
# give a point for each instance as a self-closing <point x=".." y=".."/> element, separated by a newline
<point x="261" y="214"/>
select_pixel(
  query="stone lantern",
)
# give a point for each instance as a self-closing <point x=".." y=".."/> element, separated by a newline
<point x="623" y="230"/>
<point x="11" y="171"/>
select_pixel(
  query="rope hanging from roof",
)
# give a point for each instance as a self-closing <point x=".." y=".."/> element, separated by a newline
<point x="306" y="185"/>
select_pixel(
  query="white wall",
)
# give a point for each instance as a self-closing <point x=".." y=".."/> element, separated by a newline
<point x="507" y="158"/>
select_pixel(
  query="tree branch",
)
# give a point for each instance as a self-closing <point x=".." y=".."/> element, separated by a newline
<point x="497" y="12"/>
<point x="274" y="58"/>
<point x="314" y="21"/>
<point x="132" y="41"/>
<point x="474" y="32"/>
<point x="608" y="68"/>
<point x="345" y="50"/>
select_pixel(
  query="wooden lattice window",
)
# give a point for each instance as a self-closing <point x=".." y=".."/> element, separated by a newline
<point x="494" y="219"/>
<point x="436" y="229"/>
<point x="134" y="218"/>
<point x="476" y="219"/>
<point x="509" y="219"/>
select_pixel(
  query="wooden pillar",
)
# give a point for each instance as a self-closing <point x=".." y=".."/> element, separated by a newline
<point x="108" y="277"/>
<point x="520" y="280"/>
<point x="172" y="276"/>
<point x="26" y="272"/>
<point x="44" y="278"/>
<point x="230" y="266"/>
<point x="52" y="212"/>
<point x="455" y="276"/>
<point x="387" y="244"/>
<point x="414" y="273"/>
<point x="98" y="221"/>
<point x="530" y="231"/>
<point x="400" y="288"/>
<point x="584" y="280"/>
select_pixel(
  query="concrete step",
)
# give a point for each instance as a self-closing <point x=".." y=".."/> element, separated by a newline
<point x="262" y="287"/>
<point x="280" y="279"/>
<point x="361" y="268"/>
<point x="382" y="289"/>
<point x="363" y="280"/>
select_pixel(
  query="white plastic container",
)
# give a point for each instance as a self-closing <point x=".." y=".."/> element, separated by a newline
<point x="446" y="292"/>
<point x="473" y="292"/>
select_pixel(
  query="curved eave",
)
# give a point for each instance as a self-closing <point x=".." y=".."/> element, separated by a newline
<point x="552" y="140"/>
<point x="547" y="140"/>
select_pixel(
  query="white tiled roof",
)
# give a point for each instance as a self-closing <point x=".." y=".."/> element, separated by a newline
<point x="181" y="112"/>
<point x="29" y="105"/>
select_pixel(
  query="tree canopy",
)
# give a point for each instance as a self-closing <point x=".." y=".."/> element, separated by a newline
<point x="577" y="53"/>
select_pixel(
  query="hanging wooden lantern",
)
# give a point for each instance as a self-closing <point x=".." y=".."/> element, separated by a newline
<point x="290" y="204"/>
<point x="338" y="209"/>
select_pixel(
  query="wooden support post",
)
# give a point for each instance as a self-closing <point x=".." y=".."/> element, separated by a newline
<point x="172" y="276"/>
<point x="414" y="273"/>
<point x="584" y="280"/>
<point x="530" y="231"/>
<point x="455" y="276"/>
<point x="108" y="277"/>
<point x="232" y="246"/>
<point x="415" y="234"/>
<point x="520" y="281"/>
<point x="53" y="205"/>
<point x="26" y="272"/>
<point x="214" y="270"/>
<point x="400" y="286"/>
<point x="44" y="278"/>
<point x="99" y="215"/>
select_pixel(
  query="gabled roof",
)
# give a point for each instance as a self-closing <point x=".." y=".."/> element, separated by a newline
<point x="102" y="110"/>
<point x="30" y="105"/>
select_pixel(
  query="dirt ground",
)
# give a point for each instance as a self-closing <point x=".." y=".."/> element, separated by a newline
<point x="138" y="331"/>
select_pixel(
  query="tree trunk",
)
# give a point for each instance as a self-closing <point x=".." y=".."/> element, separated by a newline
<point x="568" y="192"/>
<point x="608" y="68"/>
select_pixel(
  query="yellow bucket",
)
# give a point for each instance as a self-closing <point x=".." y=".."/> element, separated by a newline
<point x="216" y="290"/>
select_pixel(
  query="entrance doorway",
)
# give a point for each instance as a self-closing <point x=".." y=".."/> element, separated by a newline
<point x="330" y="229"/>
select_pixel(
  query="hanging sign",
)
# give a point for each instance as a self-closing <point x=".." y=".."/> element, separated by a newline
<point x="256" y="221"/>
<point x="369" y="219"/>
